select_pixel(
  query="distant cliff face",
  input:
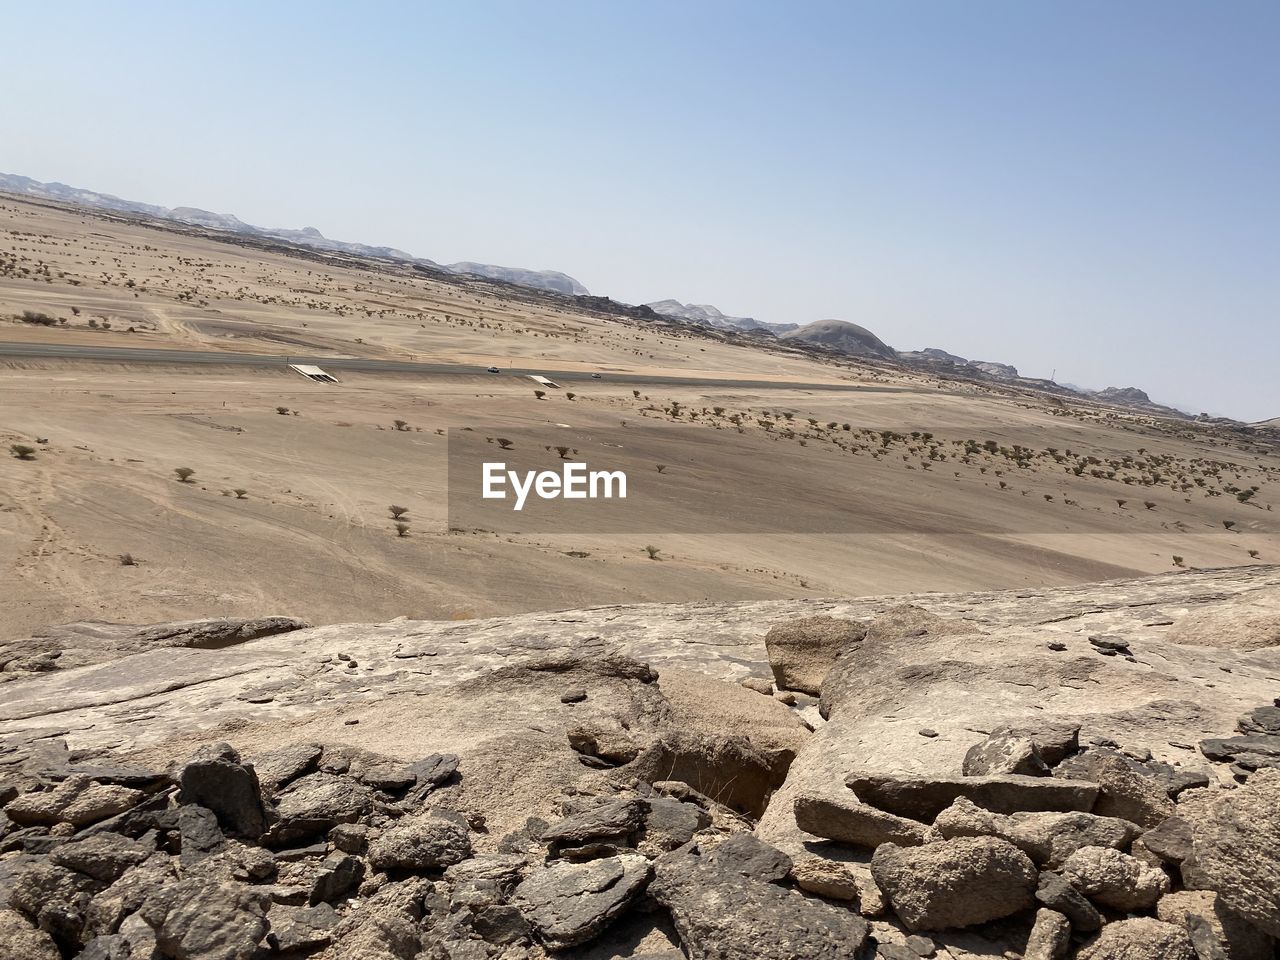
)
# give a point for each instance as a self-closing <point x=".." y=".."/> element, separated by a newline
<point x="843" y="337"/>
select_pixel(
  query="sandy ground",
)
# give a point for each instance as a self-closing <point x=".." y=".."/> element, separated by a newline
<point x="312" y="536"/>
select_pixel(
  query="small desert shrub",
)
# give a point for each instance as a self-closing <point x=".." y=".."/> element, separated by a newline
<point x="652" y="551"/>
<point x="402" y="529"/>
<point x="240" y="494"/>
<point x="127" y="560"/>
<point x="1148" y="504"/>
<point x="662" y="467"/>
<point x="570" y="396"/>
<point x="283" y="411"/>
<point x="184" y="474"/>
<point x="563" y="452"/>
<point x="1254" y="554"/>
<point x="539" y="394"/>
<point x="400" y="424"/>
<point x="39" y="319"/>
<point x="1229" y="524"/>
<point x="1177" y="560"/>
<point x="397" y="512"/>
<point x="22" y="451"/>
<point x="504" y="443"/>
<point x="1121" y="503"/>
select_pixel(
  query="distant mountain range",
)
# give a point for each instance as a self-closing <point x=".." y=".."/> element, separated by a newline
<point x="308" y="236"/>
<point x="709" y="316"/>
<point x="837" y="336"/>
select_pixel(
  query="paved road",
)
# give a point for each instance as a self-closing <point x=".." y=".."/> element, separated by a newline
<point x="154" y="355"/>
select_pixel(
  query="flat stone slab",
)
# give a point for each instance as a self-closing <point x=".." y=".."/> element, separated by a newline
<point x="923" y="798"/>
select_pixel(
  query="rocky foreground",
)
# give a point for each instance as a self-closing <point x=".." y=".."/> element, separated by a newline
<point x="1089" y="772"/>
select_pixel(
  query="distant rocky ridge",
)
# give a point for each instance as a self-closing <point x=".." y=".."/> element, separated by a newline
<point x="551" y="280"/>
<point x="709" y="316"/>
<point x="843" y="337"/>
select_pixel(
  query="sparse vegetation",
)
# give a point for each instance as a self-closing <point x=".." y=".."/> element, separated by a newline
<point x="127" y="560"/>
<point x="38" y="319"/>
<point x="539" y="394"/>
<point x="653" y="552"/>
<point x="402" y="529"/>
<point x="184" y="474"/>
<point x="397" y="512"/>
<point x="1178" y="561"/>
<point x="283" y="411"/>
<point x="240" y="494"/>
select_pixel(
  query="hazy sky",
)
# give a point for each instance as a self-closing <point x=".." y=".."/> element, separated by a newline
<point x="1086" y="186"/>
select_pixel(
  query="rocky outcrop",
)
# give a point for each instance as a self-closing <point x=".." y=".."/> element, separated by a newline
<point x="998" y="773"/>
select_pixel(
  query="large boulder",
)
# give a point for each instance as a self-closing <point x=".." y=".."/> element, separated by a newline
<point x="429" y="842"/>
<point x="802" y="652"/>
<point x="569" y="904"/>
<point x="955" y="883"/>
<point x="722" y="914"/>
<point x="1139" y="939"/>
<point x="1115" y="879"/>
<point x="216" y="779"/>
<point x="1236" y="847"/>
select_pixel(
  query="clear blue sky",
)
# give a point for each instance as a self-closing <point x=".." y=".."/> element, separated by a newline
<point x="1088" y="186"/>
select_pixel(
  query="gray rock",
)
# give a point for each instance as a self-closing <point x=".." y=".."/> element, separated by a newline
<point x="302" y="929"/>
<point x="55" y="899"/>
<point x="428" y="842"/>
<point x="202" y="919"/>
<point x="1236" y="848"/>
<point x="1171" y="841"/>
<point x="216" y="779"/>
<point x="848" y="820"/>
<point x="1139" y="939"/>
<point x="801" y="652"/>
<point x="1262" y="720"/>
<point x="671" y="823"/>
<point x="76" y="800"/>
<point x="1048" y="838"/>
<point x="1228" y="748"/>
<point x="954" y="883"/>
<point x="1050" y="936"/>
<point x="314" y="804"/>
<point x="1123" y="792"/>
<point x="339" y="875"/>
<point x="745" y="855"/>
<point x="923" y="798"/>
<point x="1003" y="751"/>
<point x="723" y="915"/>
<point x="1115" y="879"/>
<point x="23" y="940"/>
<point x="104" y="856"/>
<point x="613" y="821"/>
<point x="569" y="904"/>
<point x="1215" y="932"/>
<point x="282" y="766"/>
